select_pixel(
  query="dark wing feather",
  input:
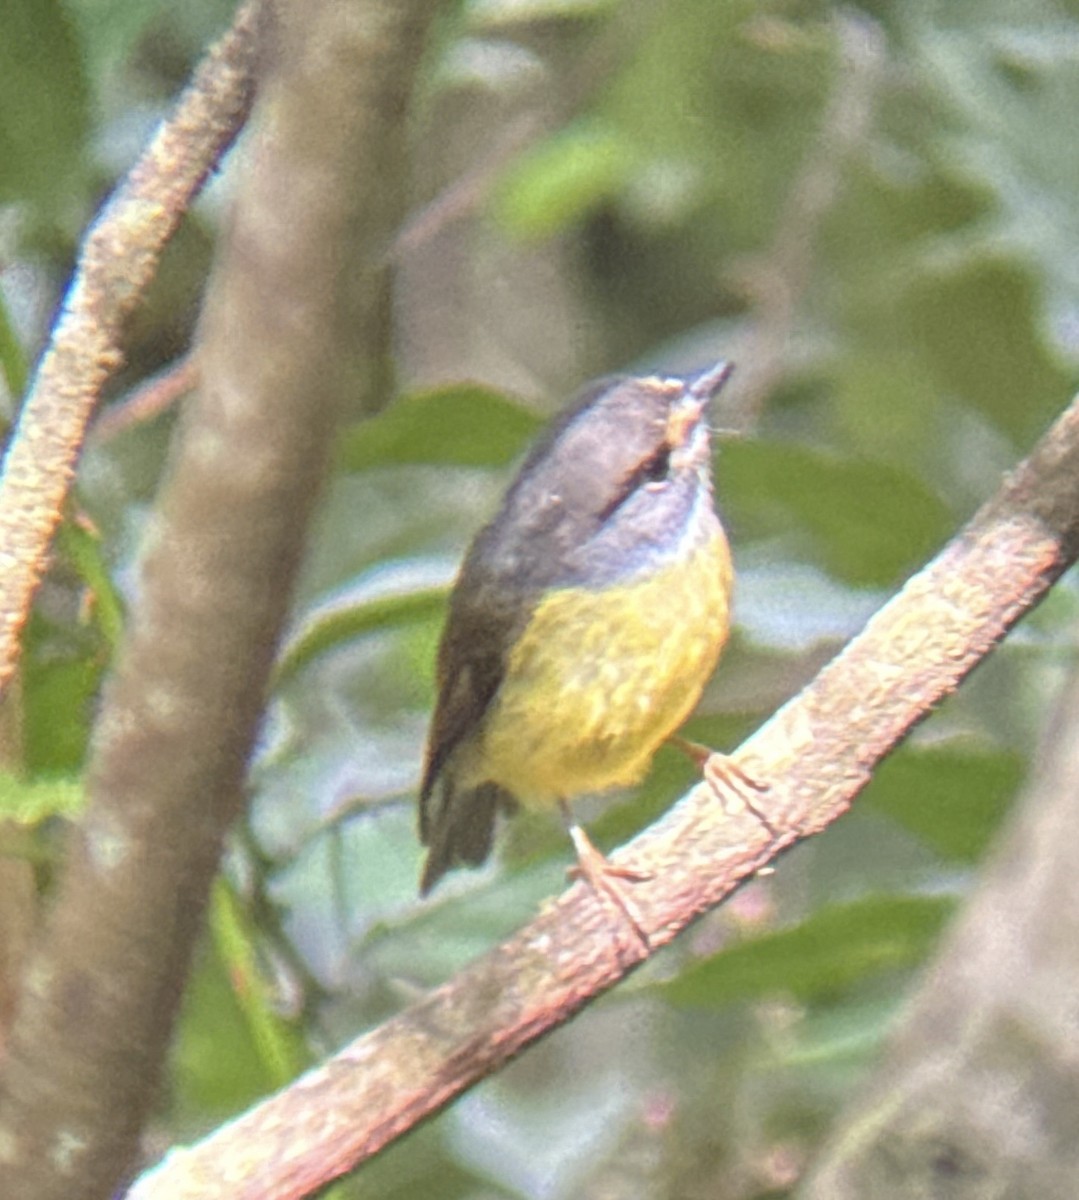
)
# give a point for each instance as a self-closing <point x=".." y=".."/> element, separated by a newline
<point x="484" y="620"/>
<point x="470" y="668"/>
<point x="458" y="823"/>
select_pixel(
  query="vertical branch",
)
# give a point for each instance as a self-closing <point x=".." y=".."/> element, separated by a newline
<point x="292" y="297"/>
<point x="117" y="262"/>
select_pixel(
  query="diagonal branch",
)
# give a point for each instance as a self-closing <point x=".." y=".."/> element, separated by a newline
<point x="816" y="753"/>
<point x="118" y="260"/>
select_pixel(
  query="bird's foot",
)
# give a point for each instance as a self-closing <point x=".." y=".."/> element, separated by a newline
<point x="733" y="786"/>
<point x="604" y="876"/>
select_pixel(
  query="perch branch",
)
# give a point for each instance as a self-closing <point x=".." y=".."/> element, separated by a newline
<point x="149" y="400"/>
<point x="816" y="753"/>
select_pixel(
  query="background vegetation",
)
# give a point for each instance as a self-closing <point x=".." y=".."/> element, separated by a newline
<point x="870" y="209"/>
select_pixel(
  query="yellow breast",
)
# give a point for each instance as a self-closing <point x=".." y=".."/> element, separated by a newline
<point x="600" y="679"/>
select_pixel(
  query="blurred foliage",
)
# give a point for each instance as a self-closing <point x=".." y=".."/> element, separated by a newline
<point x="823" y="956"/>
<point x="43" y="95"/>
<point x="465" y="426"/>
<point x="929" y="333"/>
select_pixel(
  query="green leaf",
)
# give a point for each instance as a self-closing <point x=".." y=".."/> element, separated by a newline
<point x="563" y="179"/>
<point x="979" y="328"/>
<point x="841" y="1037"/>
<point x="59" y="691"/>
<point x="110" y="30"/>
<point x="220" y="1061"/>
<point x="703" y="89"/>
<point x="83" y="547"/>
<point x="13" y="365"/>
<point x="43" y="97"/>
<point x="465" y="426"/>
<point x="31" y="801"/>
<point x="69" y="646"/>
<point x="1004" y="76"/>
<point x="353" y="612"/>
<point x="276" y="1041"/>
<point x="869" y="523"/>
<point x="833" y="949"/>
<point x="497" y="14"/>
<point x="954" y="798"/>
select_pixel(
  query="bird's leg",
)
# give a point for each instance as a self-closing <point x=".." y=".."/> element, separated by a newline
<point x="603" y="876"/>
<point x="733" y="787"/>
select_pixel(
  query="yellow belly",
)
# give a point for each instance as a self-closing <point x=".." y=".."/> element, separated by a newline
<point x="600" y="680"/>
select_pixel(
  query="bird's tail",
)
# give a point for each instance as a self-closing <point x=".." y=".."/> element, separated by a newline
<point x="461" y="831"/>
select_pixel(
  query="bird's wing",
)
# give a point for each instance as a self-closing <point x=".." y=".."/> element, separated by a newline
<point x="480" y="630"/>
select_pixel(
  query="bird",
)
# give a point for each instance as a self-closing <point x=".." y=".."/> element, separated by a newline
<point x="584" y="622"/>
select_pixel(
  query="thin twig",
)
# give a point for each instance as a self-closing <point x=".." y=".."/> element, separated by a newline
<point x="816" y="754"/>
<point x="469" y="190"/>
<point x="150" y="399"/>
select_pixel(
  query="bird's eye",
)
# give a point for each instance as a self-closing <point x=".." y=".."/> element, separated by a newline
<point x="650" y="475"/>
<point x="656" y="469"/>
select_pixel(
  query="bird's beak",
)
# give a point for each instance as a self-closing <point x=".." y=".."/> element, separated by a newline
<point x="707" y="383"/>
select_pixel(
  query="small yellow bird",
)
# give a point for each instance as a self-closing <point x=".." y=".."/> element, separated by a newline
<point x="585" y="621"/>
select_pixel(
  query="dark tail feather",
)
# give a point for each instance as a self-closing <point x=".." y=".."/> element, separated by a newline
<point x="462" y="832"/>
